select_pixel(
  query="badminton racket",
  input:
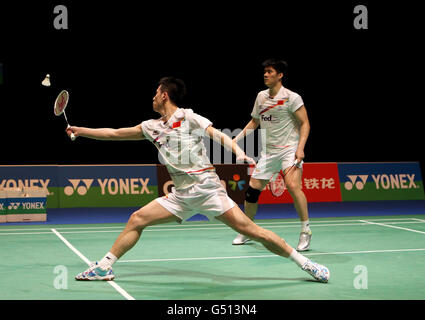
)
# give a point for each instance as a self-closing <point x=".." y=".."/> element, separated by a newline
<point x="277" y="185"/>
<point x="60" y="105"/>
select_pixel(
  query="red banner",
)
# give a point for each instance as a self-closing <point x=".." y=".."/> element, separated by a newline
<point x="320" y="183"/>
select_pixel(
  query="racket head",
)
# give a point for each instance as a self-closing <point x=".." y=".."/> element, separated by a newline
<point x="61" y="102"/>
<point x="277" y="184"/>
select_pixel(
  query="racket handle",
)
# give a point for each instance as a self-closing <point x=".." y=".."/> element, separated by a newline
<point x="298" y="164"/>
<point x="73" y="137"/>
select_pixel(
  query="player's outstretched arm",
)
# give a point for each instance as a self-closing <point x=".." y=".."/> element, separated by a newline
<point x="227" y="142"/>
<point x="130" y="133"/>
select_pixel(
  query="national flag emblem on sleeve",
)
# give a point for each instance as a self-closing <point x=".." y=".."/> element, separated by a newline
<point x="177" y="124"/>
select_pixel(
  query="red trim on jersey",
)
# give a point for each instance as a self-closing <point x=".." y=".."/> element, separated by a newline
<point x="200" y="170"/>
<point x="275" y="145"/>
<point x="279" y="103"/>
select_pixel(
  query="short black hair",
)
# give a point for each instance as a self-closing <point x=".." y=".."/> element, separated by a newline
<point x="175" y="88"/>
<point x="279" y="65"/>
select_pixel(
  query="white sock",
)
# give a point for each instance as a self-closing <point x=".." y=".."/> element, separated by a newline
<point x="107" y="261"/>
<point x="305" y="226"/>
<point x="298" y="258"/>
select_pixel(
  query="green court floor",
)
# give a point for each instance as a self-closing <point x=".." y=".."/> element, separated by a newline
<point x="368" y="257"/>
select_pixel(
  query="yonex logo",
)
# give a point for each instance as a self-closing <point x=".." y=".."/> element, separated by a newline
<point x="236" y="182"/>
<point x="81" y="190"/>
<point x="382" y="181"/>
<point x="13" y="205"/>
<point x="354" y="182"/>
<point x="21" y="183"/>
<point x="1" y="206"/>
<point x="26" y="205"/>
<point x="111" y="186"/>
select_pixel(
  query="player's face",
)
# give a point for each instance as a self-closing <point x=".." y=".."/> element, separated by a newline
<point x="158" y="100"/>
<point x="271" y="77"/>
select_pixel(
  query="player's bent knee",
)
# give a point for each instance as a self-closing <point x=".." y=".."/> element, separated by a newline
<point x="293" y="187"/>
<point x="137" y="220"/>
<point x="252" y="195"/>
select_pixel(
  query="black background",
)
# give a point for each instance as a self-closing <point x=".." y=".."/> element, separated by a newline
<point x="362" y="88"/>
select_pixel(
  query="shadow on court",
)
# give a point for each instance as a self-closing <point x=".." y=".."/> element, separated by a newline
<point x="148" y="272"/>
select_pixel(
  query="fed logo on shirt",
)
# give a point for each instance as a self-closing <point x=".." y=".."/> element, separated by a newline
<point x="266" y="118"/>
<point x="269" y="119"/>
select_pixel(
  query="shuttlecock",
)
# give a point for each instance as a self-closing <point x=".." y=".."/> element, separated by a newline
<point x="46" y="81"/>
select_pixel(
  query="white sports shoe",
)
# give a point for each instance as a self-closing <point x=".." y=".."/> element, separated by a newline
<point x="317" y="271"/>
<point x="95" y="272"/>
<point x="304" y="242"/>
<point x="240" y="239"/>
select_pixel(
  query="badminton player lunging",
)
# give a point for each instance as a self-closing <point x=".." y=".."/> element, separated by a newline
<point x="281" y="113"/>
<point x="177" y="134"/>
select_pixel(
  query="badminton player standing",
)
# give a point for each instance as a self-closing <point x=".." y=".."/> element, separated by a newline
<point x="281" y="113"/>
<point x="177" y="134"/>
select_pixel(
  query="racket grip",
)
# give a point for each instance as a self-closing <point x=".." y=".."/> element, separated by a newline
<point x="73" y="137"/>
<point x="298" y="164"/>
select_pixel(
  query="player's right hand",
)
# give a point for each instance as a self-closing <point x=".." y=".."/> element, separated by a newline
<point x="72" y="130"/>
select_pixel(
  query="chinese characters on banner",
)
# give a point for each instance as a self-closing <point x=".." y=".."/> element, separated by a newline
<point x="320" y="183"/>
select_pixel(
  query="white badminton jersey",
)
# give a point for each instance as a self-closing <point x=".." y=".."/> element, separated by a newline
<point x="276" y="116"/>
<point x="181" y="147"/>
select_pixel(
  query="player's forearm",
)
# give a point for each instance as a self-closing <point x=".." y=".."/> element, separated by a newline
<point x="225" y="141"/>
<point x="98" y="134"/>
<point x="129" y="133"/>
<point x="304" y="132"/>
<point x="251" y="126"/>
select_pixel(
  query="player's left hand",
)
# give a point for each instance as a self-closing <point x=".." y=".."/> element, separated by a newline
<point x="299" y="156"/>
<point x="245" y="158"/>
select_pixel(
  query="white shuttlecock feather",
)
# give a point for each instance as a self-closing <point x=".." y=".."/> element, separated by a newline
<point x="46" y="81"/>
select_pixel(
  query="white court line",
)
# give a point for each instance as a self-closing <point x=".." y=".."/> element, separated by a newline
<point x="395" y="227"/>
<point x="223" y="227"/>
<point x="189" y="228"/>
<point x="21" y="233"/>
<point x="82" y="257"/>
<point x="258" y="222"/>
<point x="269" y="255"/>
<point x="227" y="228"/>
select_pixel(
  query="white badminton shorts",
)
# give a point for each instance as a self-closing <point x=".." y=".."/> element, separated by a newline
<point x="269" y="164"/>
<point x="208" y="198"/>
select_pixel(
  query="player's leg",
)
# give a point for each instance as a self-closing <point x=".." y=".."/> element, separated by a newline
<point x="266" y="166"/>
<point x="151" y="214"/>
<point x="238" y="221"/>
<point x="252" y="195"/>
<point x="293" y="182"/>
<point x="251" y="204"/>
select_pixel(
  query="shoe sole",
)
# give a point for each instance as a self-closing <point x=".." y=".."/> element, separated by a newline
<point x="302" y="250"/>
<point x="240" y="243"/>
<point x="95" y="279"/>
